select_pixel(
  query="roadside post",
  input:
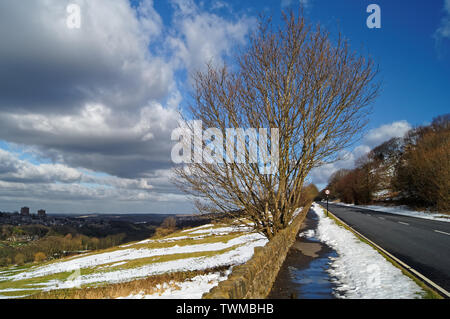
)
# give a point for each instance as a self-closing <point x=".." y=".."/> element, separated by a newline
<point x="327" y="192"/>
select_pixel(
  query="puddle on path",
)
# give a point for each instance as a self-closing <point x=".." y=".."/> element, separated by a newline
<point x="304" y="272"/>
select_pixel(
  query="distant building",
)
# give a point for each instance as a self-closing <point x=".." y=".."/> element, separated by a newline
<point x="41" y="213"/>
<point x="25" y="211"/>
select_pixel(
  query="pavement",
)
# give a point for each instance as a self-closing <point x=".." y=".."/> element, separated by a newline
<point x="421" y="243"/>
<point x="303" y="274"/>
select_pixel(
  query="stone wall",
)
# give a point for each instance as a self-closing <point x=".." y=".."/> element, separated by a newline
<point x="254" y="279"/>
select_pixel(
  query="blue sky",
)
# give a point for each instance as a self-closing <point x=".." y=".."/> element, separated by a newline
<point x="86" y="114"/>
<point x="414" y="67"/>
<point x="414" y="62"/>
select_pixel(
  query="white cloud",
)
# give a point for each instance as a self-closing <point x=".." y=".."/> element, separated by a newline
<point x="385" y="132"/>
<point x="320" y="175"/>
<point x="219" y="5"/>
<point x="114" y="102"/>
<point x="286" y="3"/>
<point x="373" y="138"/>
<point x="14" y="169"/>
<point x="94" y="97"/>
<point x="24" y="182"/>
<point x="100" y="99"/>
<point x="203" y="37"/>
<point x="106" y="61"/>
<point x="444" y="29"/>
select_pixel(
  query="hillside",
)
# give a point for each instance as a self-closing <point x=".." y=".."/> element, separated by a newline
<point x="412" y="171"/>
<point x="193" y="259"/>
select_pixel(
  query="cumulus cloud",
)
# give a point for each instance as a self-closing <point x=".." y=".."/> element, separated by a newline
<point x="443" y="32"/>
<point x="49" y="67"/>
<point x="94" y="97"/>
<point x="22" y="182"/>
<point x="95" y="106"/>
<point x="204" y="37"/>
<point x="385" y="132"/>
<point x="373" y="138"/>
<point x="13" y="169"/>
<point x="94" y="139"/>
<point x="102" y="99"/>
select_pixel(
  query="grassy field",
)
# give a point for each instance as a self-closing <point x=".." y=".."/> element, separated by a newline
<point x="146" y="267"/>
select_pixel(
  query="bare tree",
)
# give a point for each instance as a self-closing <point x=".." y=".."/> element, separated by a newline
<point x="295" y="78"/>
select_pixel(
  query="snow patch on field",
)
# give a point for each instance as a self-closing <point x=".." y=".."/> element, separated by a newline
<point x="199" y="227"/>
<point x="403" y="210"/>
<point x="132" y="254"/>
<point x="166" y="240"/>
<point x="190" y="289"/>
<point x="112" y="266"/>
<point x="360" y="271"/>
<point x="221" y="231"/>
<point x="231" y="258"/>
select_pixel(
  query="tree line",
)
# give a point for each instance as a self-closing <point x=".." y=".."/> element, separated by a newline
<point x="53" y="246"/>
<point x="413" y="170"/>
<point x="30" y="243"/>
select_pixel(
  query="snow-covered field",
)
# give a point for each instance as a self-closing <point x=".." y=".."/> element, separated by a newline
<point x="189" y="289"/>
<point x="359" y="270"/>
<point x="197" y="249"/>
<point x="403" y="210"/>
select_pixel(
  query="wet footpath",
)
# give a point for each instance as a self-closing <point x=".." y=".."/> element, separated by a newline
<point x="304" y="272"/>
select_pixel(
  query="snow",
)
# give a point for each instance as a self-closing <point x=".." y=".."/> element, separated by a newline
<point x="239" y="250"/>
<point x="165" y="240"/>
<point x="132" y="254"/>
<point x="221" y="231"/>
<point x="403" y="210"/>
<point x="230" y="258"/>
<point x="16" y="289"/>
<point x="11" y="297"/>
<point x="199" y="227"/>
<point x="359" y="270"/>
<point x="120" y="263"/>
<point x="190" y="289"/>
<point x="146" y="241"/>
<point x="13" y="290"/>
<point x="308" y="233"/>
<point x="381" y="193"/>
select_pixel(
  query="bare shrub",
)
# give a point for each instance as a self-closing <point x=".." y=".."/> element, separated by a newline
<point x="39" y="256"/>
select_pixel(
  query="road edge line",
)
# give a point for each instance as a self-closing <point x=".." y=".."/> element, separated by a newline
<point x="444" y="293"/>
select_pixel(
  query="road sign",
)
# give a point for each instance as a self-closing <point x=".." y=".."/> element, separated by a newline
<point x="327" y="192"/>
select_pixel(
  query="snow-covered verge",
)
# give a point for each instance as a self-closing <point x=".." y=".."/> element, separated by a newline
<point x="197" y="249"/>
<point x="359" y="271"/>
<point x="403" y="210"/>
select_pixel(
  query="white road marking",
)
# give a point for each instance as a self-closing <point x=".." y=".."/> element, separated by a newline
<point x="442" y="232"/>
<point x="382" y="218"/>
<point x="403" y="223"/>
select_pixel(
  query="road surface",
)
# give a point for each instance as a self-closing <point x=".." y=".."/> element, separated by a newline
<point x="421" y="243"/>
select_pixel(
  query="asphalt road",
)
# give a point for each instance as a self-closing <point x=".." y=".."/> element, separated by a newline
<point x="421" y="243"/>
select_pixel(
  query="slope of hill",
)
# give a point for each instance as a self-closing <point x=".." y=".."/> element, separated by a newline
<point x="198" y="257"/>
